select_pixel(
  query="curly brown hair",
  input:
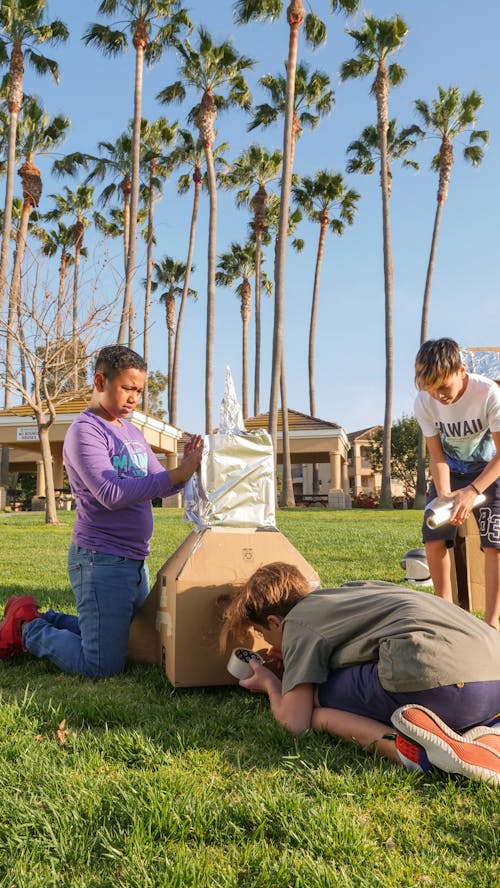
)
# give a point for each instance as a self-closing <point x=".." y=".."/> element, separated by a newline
<point x="273" y="589"/>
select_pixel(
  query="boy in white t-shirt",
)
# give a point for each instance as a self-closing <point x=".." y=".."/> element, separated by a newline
<point x="459" y="414"/>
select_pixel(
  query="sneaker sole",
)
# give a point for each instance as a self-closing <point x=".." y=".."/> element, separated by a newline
<point x="489" y="737"/>
<point x="445" y="749"/>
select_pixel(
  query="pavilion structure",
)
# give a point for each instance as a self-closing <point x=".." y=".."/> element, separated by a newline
<point x="19" y="433"/>
<point x="314" y="440"/>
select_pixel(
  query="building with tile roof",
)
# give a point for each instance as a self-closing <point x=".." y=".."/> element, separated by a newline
<point x="19" y="433"/>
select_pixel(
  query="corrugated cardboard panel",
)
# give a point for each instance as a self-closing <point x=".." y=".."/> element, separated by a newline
<point x="474" y="598"/>
<point x="217" y="560"/>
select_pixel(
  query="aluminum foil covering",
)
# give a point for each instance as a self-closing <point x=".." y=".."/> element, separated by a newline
<point x="486" y="362"/>
<point x="230" y="417"/>
<point x="235" y="484"/>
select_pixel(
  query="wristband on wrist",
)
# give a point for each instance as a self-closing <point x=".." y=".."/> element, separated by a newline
<point x="475" y="489"/>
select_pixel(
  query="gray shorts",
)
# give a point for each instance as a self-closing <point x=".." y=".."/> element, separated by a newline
<point x="487" y="515"/>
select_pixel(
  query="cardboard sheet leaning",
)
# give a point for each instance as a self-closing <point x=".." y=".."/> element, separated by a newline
<point x="232" y="507"/>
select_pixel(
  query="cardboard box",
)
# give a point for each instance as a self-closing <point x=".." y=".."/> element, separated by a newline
<point x="183" y="604"/>
<point x="467" y="575"/>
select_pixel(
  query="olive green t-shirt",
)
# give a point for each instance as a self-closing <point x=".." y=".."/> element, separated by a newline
<point x="418" y="640"/>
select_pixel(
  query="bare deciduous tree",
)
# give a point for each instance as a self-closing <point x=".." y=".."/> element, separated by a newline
<point x="42" y="337"/>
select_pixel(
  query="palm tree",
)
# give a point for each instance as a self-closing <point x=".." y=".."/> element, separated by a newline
<point x="375" y="42"/>
<point x="75" y="204"/>
<point x="112" y="165"/>
<point x="38" y="134"/>
<point x="270" y="234"/>
<point x="156" y="136"/>
<point x="217" y="72"/>
<point x="365" y="151"/>
<point x="240" y="263"/>
<point x="169" y="273"/>
<point x="188" y="153"/>
<point x="22" y="26"/>
<point x="59" y="240"/>
<point x="152" y="25"/>
<point x="252" y="10"/>
<point x="319" y="197"/>
<point x="448" y="116"/>
<point x="255" y="167"/>
<point x="313" y="99"/>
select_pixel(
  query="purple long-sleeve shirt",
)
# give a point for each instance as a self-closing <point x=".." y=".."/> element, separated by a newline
<point x="114" y="475"/>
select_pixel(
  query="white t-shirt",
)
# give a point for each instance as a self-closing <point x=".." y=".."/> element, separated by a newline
<point x="465" y="426"/>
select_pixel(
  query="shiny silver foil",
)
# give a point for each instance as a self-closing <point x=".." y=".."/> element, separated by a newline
<point x="235" y="484"/>
<point x="487" y="363"/>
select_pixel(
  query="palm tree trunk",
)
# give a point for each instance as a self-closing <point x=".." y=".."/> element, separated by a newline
<point x="258" y="266"/>
<point x="74" y="331"/>
<point x="314" y="315"/>
<point x="189" y="262"/>
<point x="430" y="271"/>
<point x="312" y="335"/>
<point x="244" y="366"/>
<point x="287" y="495"/>
<point x="421" y="488"/>
<point x="15" y="99"/>
<point x="14" y="296"/>
<point x="127" y="317"/>
<point x="382" y="91"/>
<point x="212" y="247"/>
<point x="60" y="300"/>
<point x="147" y="295"/>
<point x="295" y="17"/>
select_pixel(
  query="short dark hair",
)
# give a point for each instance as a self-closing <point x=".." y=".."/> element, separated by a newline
<point x="112" y="359"/>
<point x="436" y="360"/>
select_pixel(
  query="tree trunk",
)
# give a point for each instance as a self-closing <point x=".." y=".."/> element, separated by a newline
<point x="50" y="497"/>
<point x="75" y="317"/>
<point x="197" y="178"/>
<point x="446" y="163"/>
<point x="15" y="99"/>
<point x="147" y="295"/>
<point x="258" y="266"/>
<point x="14" y="296"/>
<point x="312" y="332"/>
<point x="212" y="257"/>
<point x="295" y="17"/>
<point x="127" y="318"/>
<point x="170" y="321"/>
<point x="287" y="495"/>
<point x="246" y="298"/>
<point x="259" y="204"/>
<point x="314" y="314"/>
<point x="382" y="89"/>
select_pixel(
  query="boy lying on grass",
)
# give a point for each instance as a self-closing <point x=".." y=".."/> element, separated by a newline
<point x="359" y="658"/>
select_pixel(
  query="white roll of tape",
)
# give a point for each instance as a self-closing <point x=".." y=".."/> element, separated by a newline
<point x="239" y="665"/>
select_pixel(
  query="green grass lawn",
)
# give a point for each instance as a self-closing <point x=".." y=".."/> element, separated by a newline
<point x="145" y="787"/>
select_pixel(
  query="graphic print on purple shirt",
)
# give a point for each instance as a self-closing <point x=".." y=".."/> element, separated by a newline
<point x="131" y="460"/>
<point x="114" y="475"/>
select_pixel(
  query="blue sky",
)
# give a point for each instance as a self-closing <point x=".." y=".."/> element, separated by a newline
<point x="448" y="44"/>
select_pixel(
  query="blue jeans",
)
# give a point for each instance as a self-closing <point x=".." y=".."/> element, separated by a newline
<point x="109" y="589"/>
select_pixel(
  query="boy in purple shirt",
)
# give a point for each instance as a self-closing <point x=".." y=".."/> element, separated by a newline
<point x="114" y="475"/>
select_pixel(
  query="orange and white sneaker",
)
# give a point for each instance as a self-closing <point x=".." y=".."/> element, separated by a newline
<point x="446" y="750"/>
<point x="18" y="610"/>
<point x="487" y="736"/>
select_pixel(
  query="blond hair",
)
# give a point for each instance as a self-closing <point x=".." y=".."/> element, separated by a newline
<point x="436" y="360"/>
<point x="273" y="589"/>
